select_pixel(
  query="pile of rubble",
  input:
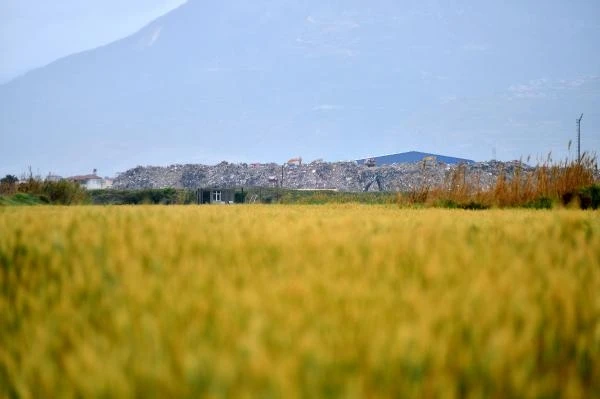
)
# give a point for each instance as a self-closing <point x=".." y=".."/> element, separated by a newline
<point x="343" y="176"/>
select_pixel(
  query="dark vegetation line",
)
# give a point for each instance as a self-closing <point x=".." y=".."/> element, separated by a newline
<point x="567" y="184"/>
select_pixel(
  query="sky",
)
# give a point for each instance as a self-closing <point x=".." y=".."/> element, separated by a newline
<point x="34" y="33"/>
<point x="473" y="79"/>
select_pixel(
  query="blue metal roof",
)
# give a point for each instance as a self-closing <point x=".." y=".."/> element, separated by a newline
<point x="414" y="156"/>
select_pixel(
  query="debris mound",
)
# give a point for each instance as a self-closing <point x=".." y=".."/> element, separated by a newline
<point x="318" y="175"/>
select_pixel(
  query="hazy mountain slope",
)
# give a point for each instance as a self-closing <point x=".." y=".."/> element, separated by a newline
<point x="192" y="80"/>
<point x="267" y="80"/>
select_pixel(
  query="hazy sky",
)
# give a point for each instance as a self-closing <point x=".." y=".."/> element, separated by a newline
<point x="34" y="33"/>
<point x="460" y="77"/>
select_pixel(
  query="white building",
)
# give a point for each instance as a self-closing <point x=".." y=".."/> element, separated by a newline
<point x="89" y="182"/>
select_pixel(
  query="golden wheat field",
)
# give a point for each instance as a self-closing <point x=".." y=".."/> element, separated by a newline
<point x="298" y="301"/>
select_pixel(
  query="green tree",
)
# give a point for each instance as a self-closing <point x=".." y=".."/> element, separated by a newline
<point x="8" y="184"/>
<point x="9" y="179"/>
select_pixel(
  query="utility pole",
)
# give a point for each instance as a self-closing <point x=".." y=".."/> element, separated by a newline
<point x="579" y="138"/>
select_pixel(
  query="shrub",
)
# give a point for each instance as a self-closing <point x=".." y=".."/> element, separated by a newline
<point x="540" y="203"/>
<point x="33" y="191"/>
<point x="584" y="198"/>
<point x="592" y="193"/>
<point x="470" y="205"/>
<point x="164" y="196"/>
<point x="64" y="192"/>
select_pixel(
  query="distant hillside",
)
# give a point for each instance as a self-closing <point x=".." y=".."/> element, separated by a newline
<point x="414" y="156"/>
<point x="238" y="80"/>
<point x="266" y="80"/>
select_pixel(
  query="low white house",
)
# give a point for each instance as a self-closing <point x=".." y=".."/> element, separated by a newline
<point x="89" y="182"/>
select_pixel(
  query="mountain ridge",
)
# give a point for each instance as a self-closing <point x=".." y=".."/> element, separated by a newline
<point x="270" y="80"/>
<point x="193" y="72"/>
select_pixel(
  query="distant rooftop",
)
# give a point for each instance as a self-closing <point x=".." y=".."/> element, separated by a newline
<point x="413" y="156"/>
<point x="85" y="177"/>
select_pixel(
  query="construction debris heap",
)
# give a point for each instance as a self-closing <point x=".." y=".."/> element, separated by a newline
<point x="343" y="176"/>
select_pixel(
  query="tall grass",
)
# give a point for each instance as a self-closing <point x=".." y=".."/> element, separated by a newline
<point x="293" y="301"/>
<point x="559" y="183"/>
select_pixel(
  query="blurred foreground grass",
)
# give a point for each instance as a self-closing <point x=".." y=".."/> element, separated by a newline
<point x="293" y="301"/>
